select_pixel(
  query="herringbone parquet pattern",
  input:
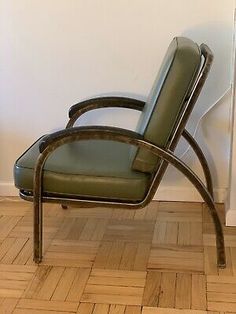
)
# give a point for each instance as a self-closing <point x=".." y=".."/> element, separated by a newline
<point x="157" y="260"/>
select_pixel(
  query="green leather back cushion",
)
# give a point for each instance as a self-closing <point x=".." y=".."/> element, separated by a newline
<point x="167" y="97"/>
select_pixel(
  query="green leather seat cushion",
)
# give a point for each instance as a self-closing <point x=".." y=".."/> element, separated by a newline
<point x="94" y="168"/>
<point x="169" y="93"/>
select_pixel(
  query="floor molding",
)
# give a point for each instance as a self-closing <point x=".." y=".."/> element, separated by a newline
<point x="231" y="217"/>
<point x="174" y="193"/>
<point x="7" y="188"/>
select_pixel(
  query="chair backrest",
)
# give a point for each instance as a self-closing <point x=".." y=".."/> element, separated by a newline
<point x="167" y="99"/>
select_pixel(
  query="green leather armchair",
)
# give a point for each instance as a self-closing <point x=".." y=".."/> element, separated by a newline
<point x="109" y="166"/>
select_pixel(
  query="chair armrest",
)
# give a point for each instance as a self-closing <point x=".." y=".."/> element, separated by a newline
<point x="80" y="108"/>
<point x="53" y="140"/>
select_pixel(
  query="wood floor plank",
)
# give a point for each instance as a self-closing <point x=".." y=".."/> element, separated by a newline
<point x="152" y="289"/>
<point x="179" y="212"/>
<point x="233" y="259"/>
<point x="116" y="281"/>
<point x="142" y="256"/>
<point x="190" y="233"/>
<point x="152" y="310"/>
<point x="85" y="308"/>
<point x="79" y="212"/>
<point x="64" y="284"/>
<point x="111" y="289"/>
<point x="111" y="299"/>
<point x="117" y="309"/>
<point x="119" y="273"/>
<point x="102" y="255"/>
<point x="14" y="207"/>
<point x="31" y="311"/>
<point x="14" y="280"/>
<point x="129" y="231"/>
<point x="167" y="290"/>
<point x="71" y="253"/>
<point x="24" y="229"/>
<point x="50" y="283"/>
<point x="221" y="293"/>
<point x="123" y="214"/>
<point x="94" y="230"/>
<point x="221" y="306"/>
<point x="101" y="309"/>
<point x="159" y="232"/>
<point x="47" y="305"/>
<point x="118" y="291"/>
<point x="17" y="284"/>
<point x="131" y="309"/>
<point x="18" y="268"/>
<point x="140" y="214"/>
<point x="171" y="234"/>
<point x="152" y="210"/>
<point x="65" y="228"/>
<point x="22" y="276"/>
<point x="165" y="232"/>
<point x="11" y="293"/>
<point x="115" y="255"/>
<point x="6" y="246"/>
<point x="25" y="253"/>
<point x="7" y="223"/>
<point x="147" y="213"/>
<point x="176" y="258"/>
<point x="14" y="250"/>
<point x="199" y="301"/>
<point x="209" y="260"/>
<point x="128" y="256"/>
<point x="78" y="284"/>
<point x="183" y="291"/>
<point x="37" y="282"/>
<point x="8" y="305"/>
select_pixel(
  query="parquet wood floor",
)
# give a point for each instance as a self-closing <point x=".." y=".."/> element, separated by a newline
<point x="157" y="260"/>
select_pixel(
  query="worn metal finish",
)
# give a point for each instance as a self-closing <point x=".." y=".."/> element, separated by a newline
<point x="129" y="137"/>
<point x="205" y="167"/>
<point x="77" y="110"/>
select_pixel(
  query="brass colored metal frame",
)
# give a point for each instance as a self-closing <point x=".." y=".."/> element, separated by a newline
<point x="70" y="134"/>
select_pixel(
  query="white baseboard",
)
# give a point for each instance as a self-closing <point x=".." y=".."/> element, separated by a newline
<point x="8" y="189"/>
<point x="164" y="193"/>
<point x="187" y="194"/>
<point x="230" y="217"/>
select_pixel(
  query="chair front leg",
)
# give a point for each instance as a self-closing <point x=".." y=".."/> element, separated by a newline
<point x="38" y="211"/>
<point x="38" y="226"/>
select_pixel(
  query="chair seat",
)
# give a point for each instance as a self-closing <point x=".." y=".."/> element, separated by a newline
<point x="91" y="168"/>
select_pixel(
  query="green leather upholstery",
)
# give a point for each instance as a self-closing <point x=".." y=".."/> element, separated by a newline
<point x="167" y="97"/>
<point x="97" y="169"/>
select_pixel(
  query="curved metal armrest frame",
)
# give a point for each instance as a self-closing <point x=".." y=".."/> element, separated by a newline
<point x="120" y="135"/>
<point x="82" y="107"/>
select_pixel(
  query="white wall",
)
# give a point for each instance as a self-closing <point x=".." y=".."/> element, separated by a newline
<point x="231" y="197"/>
<point x="55" y="53"/>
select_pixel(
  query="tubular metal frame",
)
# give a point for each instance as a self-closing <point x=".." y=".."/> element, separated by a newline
<point x="70" y="134"/>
